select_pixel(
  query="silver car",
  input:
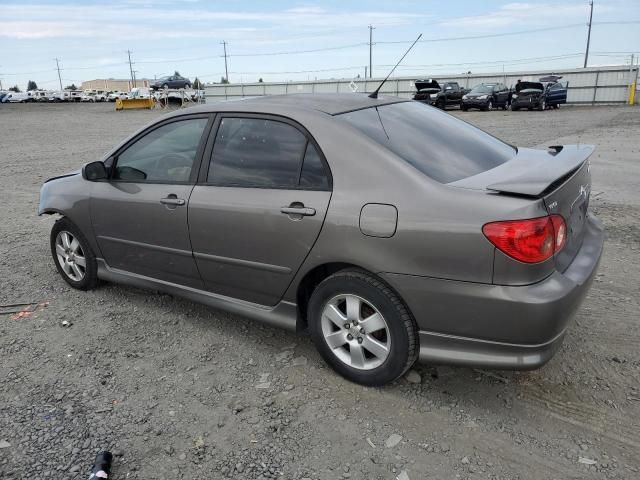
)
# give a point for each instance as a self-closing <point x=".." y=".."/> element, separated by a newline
<point x="387" y="229"/>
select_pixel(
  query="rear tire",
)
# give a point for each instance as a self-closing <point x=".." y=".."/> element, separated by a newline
<point x="72" y="255"/>
<point x="362" y="328"/>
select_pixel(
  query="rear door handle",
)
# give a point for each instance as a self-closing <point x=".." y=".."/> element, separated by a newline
<point x="172" y="200"/>
<point x="304" y="211"/>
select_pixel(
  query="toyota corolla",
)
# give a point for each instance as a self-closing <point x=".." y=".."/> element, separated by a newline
<point x="387" y="229"/>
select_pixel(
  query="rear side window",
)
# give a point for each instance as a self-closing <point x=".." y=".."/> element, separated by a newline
<point x="256" y="152"/>
<point x="439" y="145"/>
<point x="313" y="175"/>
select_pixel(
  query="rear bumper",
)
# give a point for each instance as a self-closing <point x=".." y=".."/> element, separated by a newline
<point x="497" y="326"/>
<point x="472" y="103"/>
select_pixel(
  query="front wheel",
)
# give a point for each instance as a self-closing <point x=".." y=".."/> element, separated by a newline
<point x="74" y="259"/>
<point x="543" y="105"/>
<point x="362" y="328"/>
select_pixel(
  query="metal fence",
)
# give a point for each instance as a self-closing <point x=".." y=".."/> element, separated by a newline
<point x="593" y="85"/>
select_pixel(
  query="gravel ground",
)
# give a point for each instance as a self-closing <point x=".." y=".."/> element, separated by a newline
<point x="177" y="390"/>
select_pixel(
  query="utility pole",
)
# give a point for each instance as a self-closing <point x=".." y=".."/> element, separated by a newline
<point x="59" y="77"/>
<point x="371" y="27"/>
<point x="586" y="53"/>
<point x="133" y="78"/>
<point x="226" y="68"/>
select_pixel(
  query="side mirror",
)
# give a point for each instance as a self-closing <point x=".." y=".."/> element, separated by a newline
<point x="94" y="171"/>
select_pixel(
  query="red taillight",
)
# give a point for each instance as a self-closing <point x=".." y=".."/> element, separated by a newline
<point x="529" y="241"/>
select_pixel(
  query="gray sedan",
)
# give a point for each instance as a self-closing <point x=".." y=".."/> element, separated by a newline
<point x="387" y="229"/>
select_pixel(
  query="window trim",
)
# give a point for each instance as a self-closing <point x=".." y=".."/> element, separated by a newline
<point x="197" y="162"/>
<point x="208" y="151"/>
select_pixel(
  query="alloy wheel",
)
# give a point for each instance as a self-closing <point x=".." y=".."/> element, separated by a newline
<point x="490" y="105"/>
<point x="356" y="332"/>
<point x="70" y="256"/>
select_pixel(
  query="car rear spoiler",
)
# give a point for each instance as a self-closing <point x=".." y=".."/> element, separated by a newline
<point x="542" y="176"/>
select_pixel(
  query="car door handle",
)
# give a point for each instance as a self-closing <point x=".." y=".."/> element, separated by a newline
<point x="172" y="200"/>
<point x="304" y="211"/>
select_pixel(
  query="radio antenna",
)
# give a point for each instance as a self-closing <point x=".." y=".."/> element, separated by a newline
<point x="375" y="93"/>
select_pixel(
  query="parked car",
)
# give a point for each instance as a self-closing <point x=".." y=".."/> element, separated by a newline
<point x="310" y="212"/>
<point x="74" y="95"/>
<point x="38" y="95"/>
<point x="432" y="93"/>
<point x="113" y="96"/>
<point x="486" y="96"/>
<point x="546" y="93"/>
<point x="172" y="81"/>
<point x="59" y="96"/>
<point x="88" y="97"/>
<point x="17" y="97"/>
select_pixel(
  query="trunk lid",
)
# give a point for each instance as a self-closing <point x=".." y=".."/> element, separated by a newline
<point x="561" y="177"/>
<point x="429" y="83"/>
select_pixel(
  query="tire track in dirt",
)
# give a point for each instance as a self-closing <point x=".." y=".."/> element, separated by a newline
<point x="619" y="429"/>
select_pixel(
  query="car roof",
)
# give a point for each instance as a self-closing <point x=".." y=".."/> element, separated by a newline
<point x="329" y="103"/>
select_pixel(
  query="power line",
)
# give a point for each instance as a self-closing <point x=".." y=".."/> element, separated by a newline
<point x="338" y="47"/>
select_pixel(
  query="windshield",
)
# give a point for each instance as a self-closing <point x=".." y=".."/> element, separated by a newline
<point x="439" y="145"/>
<point x="482" y="89"/>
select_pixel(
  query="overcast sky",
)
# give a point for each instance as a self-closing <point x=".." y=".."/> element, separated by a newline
<point x="91" y="39"/>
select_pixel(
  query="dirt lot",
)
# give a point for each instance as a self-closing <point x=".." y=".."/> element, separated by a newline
<point x="178" y="390"/>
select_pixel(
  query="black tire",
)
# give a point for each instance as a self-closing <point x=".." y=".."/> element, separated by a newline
<point x="556" y="106"/>
<point x="490" y="106"/>
<point x="441" y="104"/>
<point x="403" y="331"/>
<point x="514" y="109"/>
<point x="543" y="105"/>
<point x="464" y="109"/>
<point x="90" y="279"/>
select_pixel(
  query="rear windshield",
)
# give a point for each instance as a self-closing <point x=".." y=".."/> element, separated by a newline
<point x="437" y="144"/>
<point x="482" y="89"/>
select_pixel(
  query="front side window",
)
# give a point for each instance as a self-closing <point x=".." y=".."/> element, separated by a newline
<point x="165" y="155"/>
<point x="256" y="152"/>
<point x="439" y="145"/>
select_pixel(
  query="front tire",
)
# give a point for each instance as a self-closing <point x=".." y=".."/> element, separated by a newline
<point x="74" y="259"/>
<point x="362" y="328"/>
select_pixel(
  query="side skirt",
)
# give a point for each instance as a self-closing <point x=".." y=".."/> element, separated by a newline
<point x="283" y="315"/>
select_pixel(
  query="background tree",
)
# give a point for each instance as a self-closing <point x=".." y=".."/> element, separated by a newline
<point x="71" y="87"/>
<point x="15" y="89"/>
<point x="260" y="80"/>
<point x="223" y="80"/>
<point x="197" y="84"/>
<point x="176" y="74"/>
<point x="31" y="85"/>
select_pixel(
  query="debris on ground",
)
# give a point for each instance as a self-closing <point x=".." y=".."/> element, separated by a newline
<point x="393" y="440"/>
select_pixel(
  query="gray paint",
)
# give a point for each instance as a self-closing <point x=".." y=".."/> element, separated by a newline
<point x="250" y="257"/>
